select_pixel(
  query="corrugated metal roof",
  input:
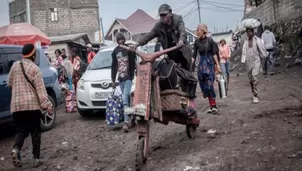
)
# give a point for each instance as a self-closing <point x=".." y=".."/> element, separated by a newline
<point x="67" y="38"/>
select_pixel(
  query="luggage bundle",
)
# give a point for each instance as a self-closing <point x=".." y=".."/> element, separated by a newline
<point x="172" y="76"/>
<point x="114" y="109"/>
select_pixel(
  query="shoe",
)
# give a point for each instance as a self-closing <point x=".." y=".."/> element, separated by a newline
<point x="209" y="111"/>
<point x="131" y="123"/>
<point x="126" y="128"/>
<point x="214" y="110"/>
<point x="16" y="158"/>
<point x="37" y="163"/>
<point x="255" y="100"/>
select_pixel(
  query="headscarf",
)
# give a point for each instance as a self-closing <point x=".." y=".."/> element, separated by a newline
<point x="203" y="27"/>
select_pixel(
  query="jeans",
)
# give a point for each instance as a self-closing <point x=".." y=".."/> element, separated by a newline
<point x="28" y="122"/>
<point x="70" y="82"/>
<point x="126" y="88"/>
<point x="225" y="68"/>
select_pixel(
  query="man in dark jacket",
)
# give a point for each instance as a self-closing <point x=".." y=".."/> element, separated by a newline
<point x="170" y="31"/>
<point x="123" y="63"/>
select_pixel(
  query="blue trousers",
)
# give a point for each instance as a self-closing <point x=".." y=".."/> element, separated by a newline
<point x="126" y="88"/>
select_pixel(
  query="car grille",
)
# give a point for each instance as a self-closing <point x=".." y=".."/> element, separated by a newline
<point x="99" y="103"/>
<point x="98" y="85"/>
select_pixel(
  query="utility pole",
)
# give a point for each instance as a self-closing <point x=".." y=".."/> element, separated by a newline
<point x="101" y="32"/>
<point x="199" y="16"/>
<point x="28" y="12"/>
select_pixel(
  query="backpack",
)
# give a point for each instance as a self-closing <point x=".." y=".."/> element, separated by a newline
<point x="114" y="109"/>
<point x="83" y="67"/>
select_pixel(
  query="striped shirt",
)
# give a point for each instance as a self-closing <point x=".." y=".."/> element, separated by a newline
<point x="24" y="96"/>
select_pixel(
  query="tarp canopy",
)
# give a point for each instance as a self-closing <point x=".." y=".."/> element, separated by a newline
<point x="21" y="34"/>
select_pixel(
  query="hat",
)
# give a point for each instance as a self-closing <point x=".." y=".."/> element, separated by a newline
<point x="164" y="9"/>
<point x="203" y="27"/>
<point x="28" y="50"/>
<point x="89" y="45"/>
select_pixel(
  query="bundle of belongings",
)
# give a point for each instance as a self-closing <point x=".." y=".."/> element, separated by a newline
<point x="173" y="76"/>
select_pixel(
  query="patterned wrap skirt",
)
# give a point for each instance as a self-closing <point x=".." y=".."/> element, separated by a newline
<point x="206" y="76"/>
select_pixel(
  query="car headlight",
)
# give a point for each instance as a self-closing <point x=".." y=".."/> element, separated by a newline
<point x="81" y="84"/>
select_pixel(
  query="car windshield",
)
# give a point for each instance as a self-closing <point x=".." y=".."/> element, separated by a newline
<point x="150" y="48"/>
<point x="102" y="60"/>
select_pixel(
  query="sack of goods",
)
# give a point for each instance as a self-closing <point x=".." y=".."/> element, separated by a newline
<point x="114" y="109"/>
<point x="249" y="23"/>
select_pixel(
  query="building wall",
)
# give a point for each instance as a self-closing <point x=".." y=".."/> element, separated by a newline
<point x="248" y="6"/>
<point x="17" y="11"/>
<point x="73" y="16"/>
<point x="271" y="11"/>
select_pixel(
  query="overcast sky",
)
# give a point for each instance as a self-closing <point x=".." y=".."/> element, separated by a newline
<point x="215" y="13"/>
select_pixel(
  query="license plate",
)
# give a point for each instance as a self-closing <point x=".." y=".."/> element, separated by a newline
<point x="101" y="95"/>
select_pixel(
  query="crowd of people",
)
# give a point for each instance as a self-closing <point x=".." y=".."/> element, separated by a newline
<point x="170" y="31"/>
<point x="69" y="73"/>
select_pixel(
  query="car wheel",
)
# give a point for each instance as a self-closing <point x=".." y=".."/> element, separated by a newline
<point x="85" y="113"/>
<point x="47" y="120"/>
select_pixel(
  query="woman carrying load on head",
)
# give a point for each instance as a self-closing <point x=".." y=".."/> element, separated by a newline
<point x="207" y="49"/>
<point x="252" y="51"/>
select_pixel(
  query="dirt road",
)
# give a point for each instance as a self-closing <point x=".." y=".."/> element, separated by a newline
<point x="249" y="137"/>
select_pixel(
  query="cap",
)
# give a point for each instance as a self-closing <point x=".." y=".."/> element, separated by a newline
<point x="89" y="45"/>
<point x="164" y="9"/>
<point x="28" y="50"/>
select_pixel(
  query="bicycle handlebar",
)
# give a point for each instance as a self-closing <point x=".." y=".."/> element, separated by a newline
<point x="151" y="56"/>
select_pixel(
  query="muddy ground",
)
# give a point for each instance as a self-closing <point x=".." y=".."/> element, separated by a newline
<point x="249" y="137"/>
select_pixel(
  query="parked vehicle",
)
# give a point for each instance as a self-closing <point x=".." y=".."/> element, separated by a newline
<point x="95" y="85"/>
<point x="8" y="55"/>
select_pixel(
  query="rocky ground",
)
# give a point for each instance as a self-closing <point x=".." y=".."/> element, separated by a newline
<point x="243" y="137"/>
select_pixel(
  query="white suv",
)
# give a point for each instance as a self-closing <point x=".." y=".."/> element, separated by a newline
<point x="95" y="85"/>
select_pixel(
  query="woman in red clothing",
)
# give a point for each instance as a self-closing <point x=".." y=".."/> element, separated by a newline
<point x="90" y="53"/>
<point x="76" y="62"/>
